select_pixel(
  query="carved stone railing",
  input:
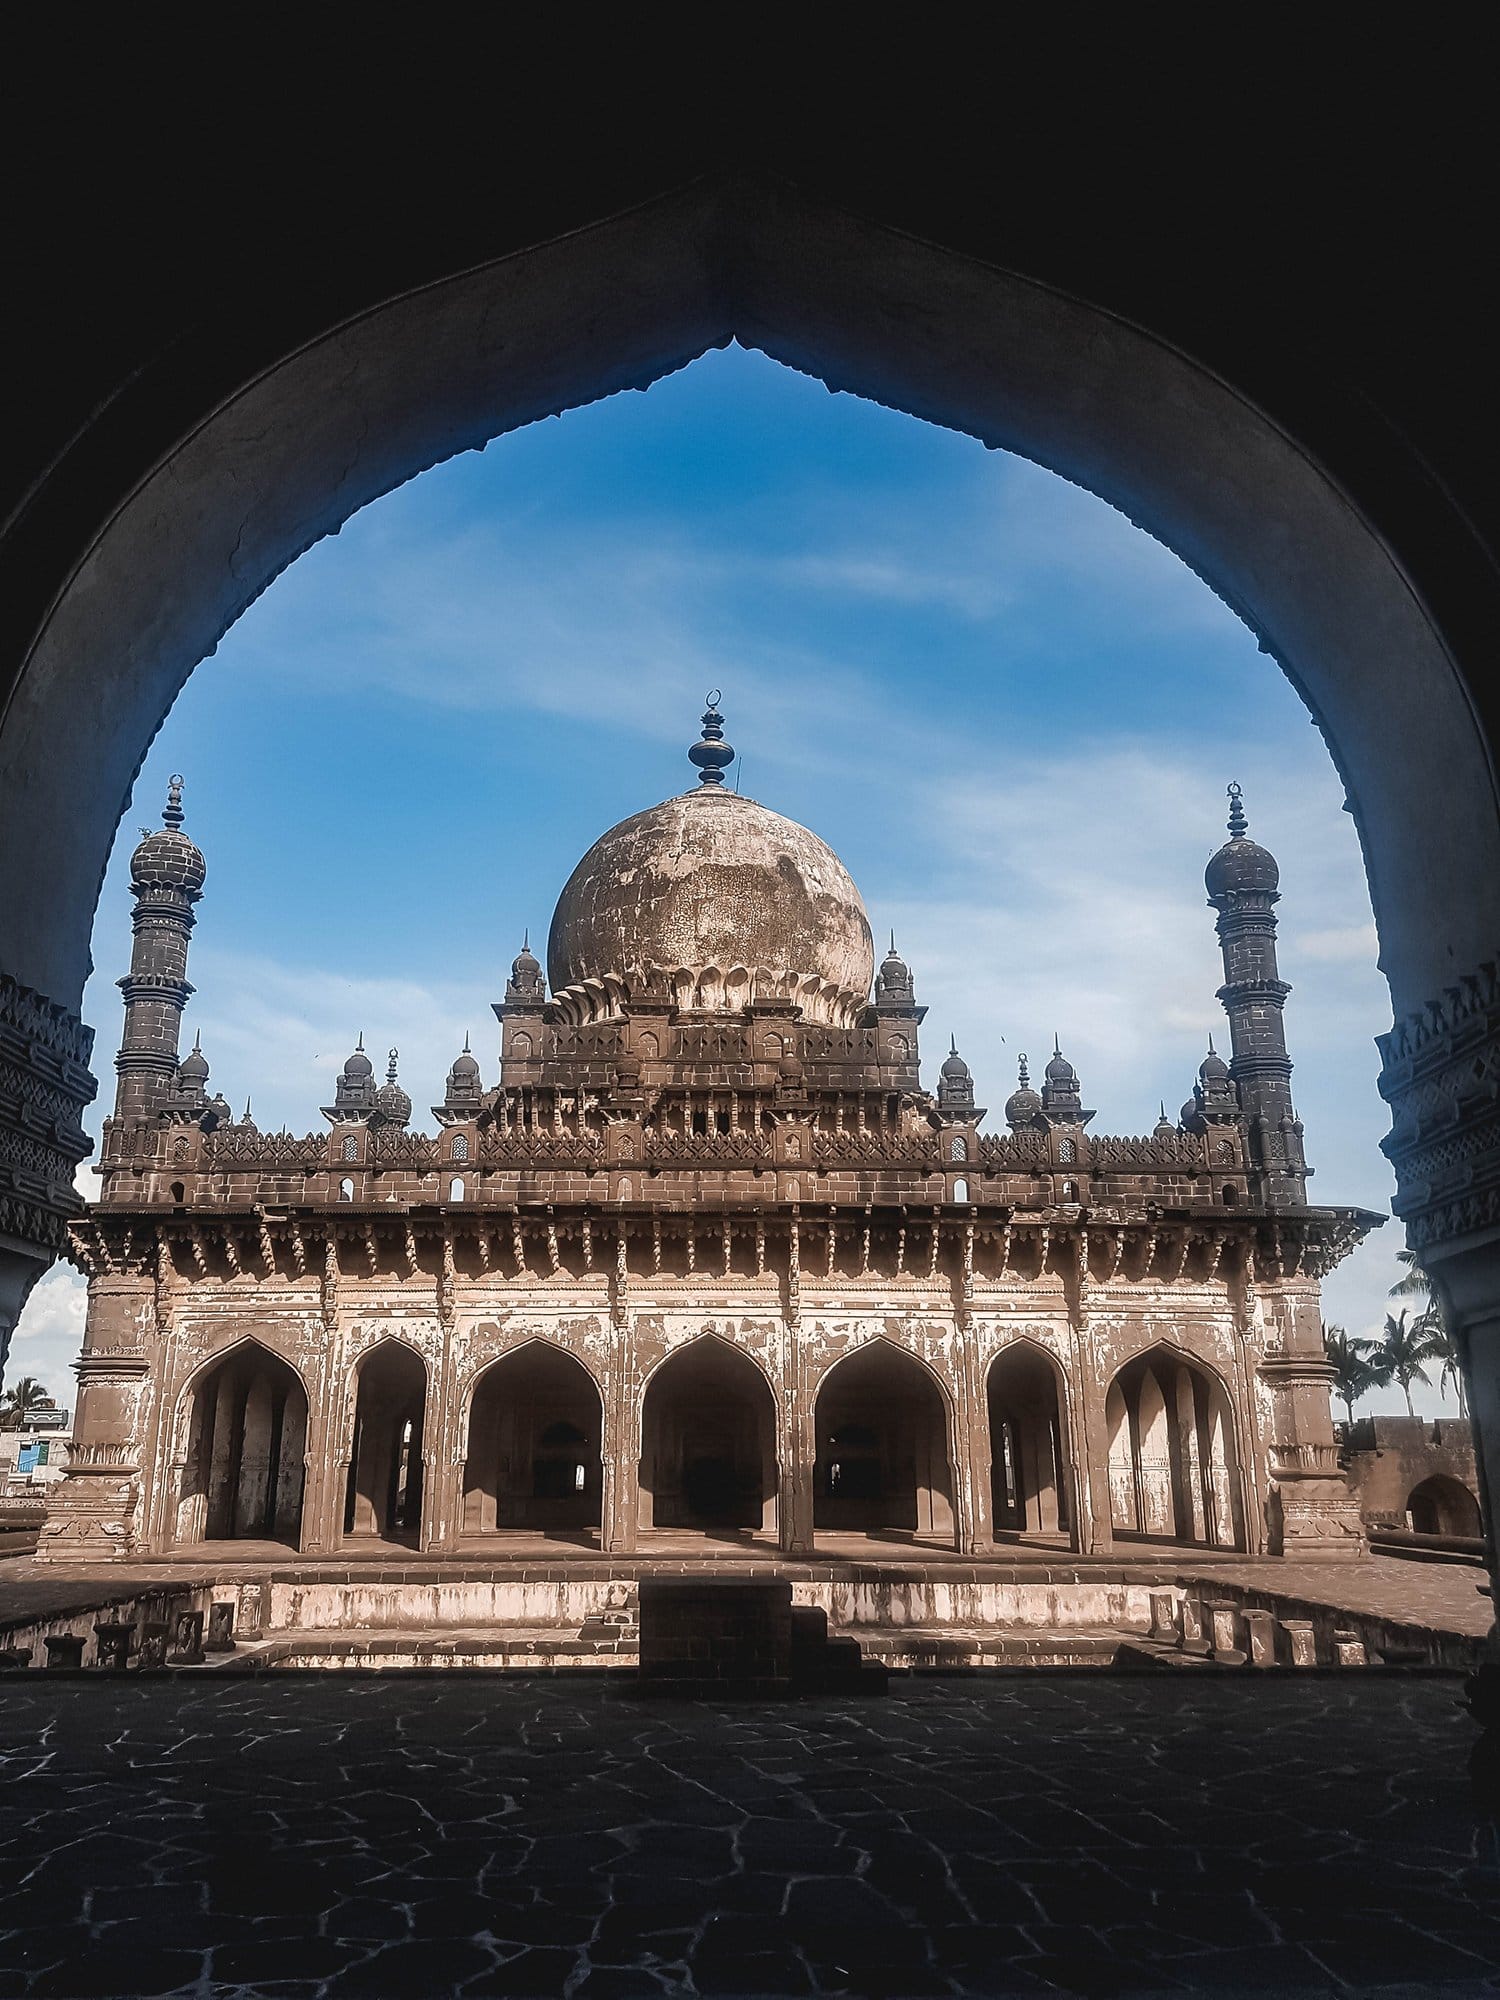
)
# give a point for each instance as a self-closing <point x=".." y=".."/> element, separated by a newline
<point x="1012" y="1152"/>
<point x="223" y="1150"/>
<point x="1169" y="1149"/>
<point x="875" y="1149"/>
<point x="706" y="1148"/>
<point x="391" y="1148"/>
<point x="540" y="1149"/>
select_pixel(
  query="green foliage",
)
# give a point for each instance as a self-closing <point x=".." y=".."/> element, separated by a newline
<point x="1355" y="1373"/>
<point x="19" y="1401"/>
<point x="1405" y="1345"/>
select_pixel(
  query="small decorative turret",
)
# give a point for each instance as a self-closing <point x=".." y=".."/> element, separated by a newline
<point x="526" y="987"/>
<point x="1062" y="1101"/>
<point x="955" y="1087"/>
<point x="1243" y="883"/>
<point x="1023" y="1107"/>
<point x="1165" y="1129"/>
<point x="893" y="982"/>
<point x="392" y="1105"/>
<point x="464" y="1096"/>
<point x="711" y="753"/>
<point x="354" y="1094"/>
<point x="247" y="1123"/>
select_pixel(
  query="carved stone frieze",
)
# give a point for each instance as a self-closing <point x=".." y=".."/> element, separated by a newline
<point x="44" y="1085"/>
<point x="1441" y="1078"/>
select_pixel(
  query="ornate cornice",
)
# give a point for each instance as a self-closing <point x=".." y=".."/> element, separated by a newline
<point x="44" y="1085"/>
<point x="1441" y="1078"/>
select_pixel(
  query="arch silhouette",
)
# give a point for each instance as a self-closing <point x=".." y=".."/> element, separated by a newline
<point x="708" y="1441"/>
<point x="533" y="1423"/>
<point x="1034" y="1472"/>
<point x="1176" y="1467"/>
<point x="885" y="1456"/>
<point x="242" y="1421"/>
<point x="537" y="1340"/>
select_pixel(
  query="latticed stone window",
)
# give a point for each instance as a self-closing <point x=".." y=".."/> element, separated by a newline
<point x="350" y="1149"/>
<point x="460" y="1147"/>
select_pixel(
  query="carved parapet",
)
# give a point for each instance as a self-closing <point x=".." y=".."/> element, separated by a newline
<point x="44" y="1085"/>
<point x="1441" y="1078"/>
<point x="707" y="1149"/>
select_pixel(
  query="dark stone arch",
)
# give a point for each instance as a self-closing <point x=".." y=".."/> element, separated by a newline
<point x="884" y="1467"/>
<point x="1442" y="1505"/>
<point x="708" y="1442"/>
<point x="533" y="1458"/>
<point x="383" y="1497"/>
<point x="1174" y="1466"/>
<point x="1032" y="1483"/>
<point x="247" y="1439"/>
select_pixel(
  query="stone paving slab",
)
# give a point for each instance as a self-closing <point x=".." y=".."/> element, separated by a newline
<point x="312" y="1837"/>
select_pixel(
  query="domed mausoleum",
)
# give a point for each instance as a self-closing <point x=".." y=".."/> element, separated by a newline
<point x="705" y="1264"/>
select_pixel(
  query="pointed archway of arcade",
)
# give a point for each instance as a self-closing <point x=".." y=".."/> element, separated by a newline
<point x="1173" y="1470"/>
<point x="883" y="1460"/>
<point x="246" y="1455"/>
<point x="1031" y="1482"/>
<point x="708" y="1445"/>
<point x="383" y="1499"/>
<point x="1443" y="1505"/>
<point x="533" y="1463"/>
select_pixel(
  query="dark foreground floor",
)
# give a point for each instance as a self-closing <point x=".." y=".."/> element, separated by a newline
<point x="328" y="1835"/>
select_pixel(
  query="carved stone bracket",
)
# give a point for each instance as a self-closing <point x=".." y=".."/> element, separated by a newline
<point x="44" y="1086"/>
<point x="1441" y="1078"/>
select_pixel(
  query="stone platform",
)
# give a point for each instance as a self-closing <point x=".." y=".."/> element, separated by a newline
<point x="910" y="1606"/>
<point x="489" y="1835"/>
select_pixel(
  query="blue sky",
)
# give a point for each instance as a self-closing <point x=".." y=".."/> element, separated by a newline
<point x="1009" y="711"/>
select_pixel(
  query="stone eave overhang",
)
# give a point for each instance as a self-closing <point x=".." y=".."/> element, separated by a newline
<point x="1282" y="1243"/>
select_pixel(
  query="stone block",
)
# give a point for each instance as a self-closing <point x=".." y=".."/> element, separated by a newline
<point x="64" y="1649"/>
<point x="1301" y="1641"/>
<point x="1260" y="1627"/>
<point x="1195" y="1637"/>
<point x="1226" y="1624"/>
<point x="1166" y="1623"/>
<point x="1349" y="1650"/>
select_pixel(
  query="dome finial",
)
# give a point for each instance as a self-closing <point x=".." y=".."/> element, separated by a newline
<point x="466" y="1041"/>
<point x="172" y="813"/>
<point x="1023" y="1074"/>
<point x="360" y="1044"/>
<point x="711" y="753"/>
<point x="390" y="1074"/>
<point x="1239" y="826"/>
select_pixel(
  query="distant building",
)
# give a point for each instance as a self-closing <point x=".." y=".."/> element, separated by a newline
<point x="1417" y="1473"/>
<point x="707" y="1256"/>
<point x="33" y="1457"/>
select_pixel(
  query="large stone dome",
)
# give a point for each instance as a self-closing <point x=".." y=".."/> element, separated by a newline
<point x="722" y="899"/>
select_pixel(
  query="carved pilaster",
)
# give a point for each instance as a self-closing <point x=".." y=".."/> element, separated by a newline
<point x="1441" y="1078"/>
<point x="44" y="1086"/>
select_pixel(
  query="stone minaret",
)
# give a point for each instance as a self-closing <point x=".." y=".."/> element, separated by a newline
<point x="1243" y="883"/>
<point x="166" y="878"/>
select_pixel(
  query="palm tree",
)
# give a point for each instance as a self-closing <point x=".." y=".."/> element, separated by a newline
<point x="1445" y="1351"/>
<point x="18" y="1402"/>
<point x="1355" y="1373"/>
<point x="1403" y="1348"/>
<point x="1414" y="1283"/>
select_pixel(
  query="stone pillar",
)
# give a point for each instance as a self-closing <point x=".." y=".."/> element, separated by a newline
<point x="94" y="1513"/>
<point x="443" y="1456"/>
<point x="971" y="1450"/>
<point x="1093" y="1533"/>
<point x="620" y="1496"/>
<point x="1319" y="1516"/>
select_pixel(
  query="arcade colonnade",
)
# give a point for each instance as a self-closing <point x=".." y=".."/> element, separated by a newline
<point x="732" y="1429"/>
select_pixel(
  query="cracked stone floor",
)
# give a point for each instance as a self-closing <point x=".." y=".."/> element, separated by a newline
<point x="324" y="1835"/>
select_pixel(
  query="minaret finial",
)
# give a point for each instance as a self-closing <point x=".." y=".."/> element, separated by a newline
<point x="1056" y="1043"/>
<point x="359" y="1046"/>
<point x="525" y="938"/>
<point x="711" y="753"/>
<point x="1239" y="826"/>
<point x="390" y="1074"/>
<point x="1211" y="1044"/>
<point x="172" y="814"/>
<point x="198" y="1042"/>
<point x="466" y="1041"/>
<point x="247" y="1111"/>
<point x="953" y="1045"/>
<point x="1025" y="1075"/>
<point x="893" y="940"/>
